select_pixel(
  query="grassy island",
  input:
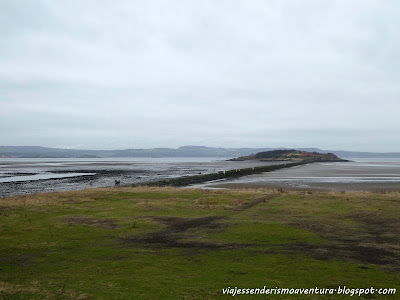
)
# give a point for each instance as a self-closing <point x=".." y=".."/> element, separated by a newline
<point x="290" y="155"/>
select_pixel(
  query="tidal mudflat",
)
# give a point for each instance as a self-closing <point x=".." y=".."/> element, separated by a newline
<point x="338" y="176"/>
<point x="27" y="176"/>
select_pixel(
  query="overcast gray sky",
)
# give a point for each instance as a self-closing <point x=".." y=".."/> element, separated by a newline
<point x="143" y="74"/>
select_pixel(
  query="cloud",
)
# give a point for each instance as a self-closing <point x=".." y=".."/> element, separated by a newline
<point x="105" y="74"/>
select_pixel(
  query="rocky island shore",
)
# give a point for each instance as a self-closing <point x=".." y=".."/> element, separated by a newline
<point x="290" y="155"/>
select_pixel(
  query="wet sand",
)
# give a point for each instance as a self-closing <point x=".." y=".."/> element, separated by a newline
<point x="102" y="173"/>
<point x="341" y="176"/>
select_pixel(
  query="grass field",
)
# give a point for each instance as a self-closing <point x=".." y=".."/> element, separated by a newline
<point x="165" y="243"/>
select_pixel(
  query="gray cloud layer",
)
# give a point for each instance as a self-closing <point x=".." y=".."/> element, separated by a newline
<point x="130" y="74"/>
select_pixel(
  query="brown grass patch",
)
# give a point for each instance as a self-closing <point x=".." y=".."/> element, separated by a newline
<point x="253" y="203"/>
<point x="8" y="290"/>
<point x="90" y="221"/>
<point x="182" y="224"/>
<point x="348" y="250"/>
<point x="87" y="195"/>
<point x="69" y="197"/>
<point x="12" y="291"/>
<point x="173" y="236"/>
<point x="55" y="198"/>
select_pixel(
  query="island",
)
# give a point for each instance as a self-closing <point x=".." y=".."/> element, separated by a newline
<point x="290" y="155"/>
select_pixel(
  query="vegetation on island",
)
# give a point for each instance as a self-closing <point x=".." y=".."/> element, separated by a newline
<point x="166" y="243"/>
<point x="289" y="155"/>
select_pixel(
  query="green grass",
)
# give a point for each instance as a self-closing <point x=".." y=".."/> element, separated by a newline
<point x="165" y="243"/>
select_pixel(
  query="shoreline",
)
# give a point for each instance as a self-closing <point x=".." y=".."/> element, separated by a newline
<point x="377" y="189"/>
<point x="208" y="175"/>
<point x="106" y="173"/>
<point x="230" y="174"/>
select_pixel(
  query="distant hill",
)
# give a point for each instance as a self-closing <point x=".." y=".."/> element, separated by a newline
<point x="185" y="151"/>
<point x="291" y="154"/>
